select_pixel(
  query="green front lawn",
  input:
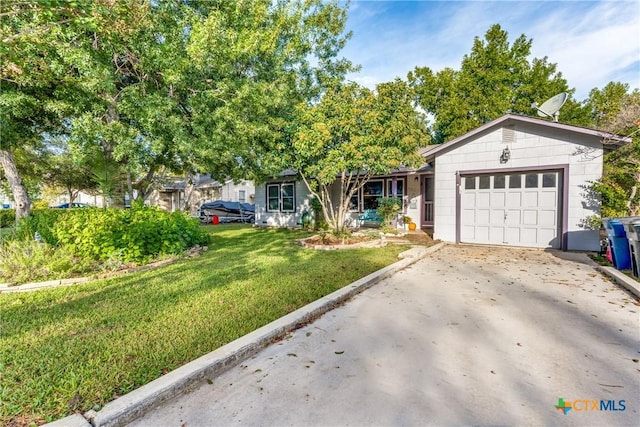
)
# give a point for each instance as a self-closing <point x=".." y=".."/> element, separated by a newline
<point x="75" y="348"/>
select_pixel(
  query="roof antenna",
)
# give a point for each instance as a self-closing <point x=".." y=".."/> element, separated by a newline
<point x="551" y="107"/>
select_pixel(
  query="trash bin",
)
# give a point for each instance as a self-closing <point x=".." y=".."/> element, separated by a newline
<point x="633" y="235"/>
<point x="618" y="243"/>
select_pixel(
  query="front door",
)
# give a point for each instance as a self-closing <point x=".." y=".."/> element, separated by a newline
<point x="428" y="198"/>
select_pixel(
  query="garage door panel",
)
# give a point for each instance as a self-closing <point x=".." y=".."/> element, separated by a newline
<point x="497" y="217"/>
<point x="548" y="218"/>
<point x="530" y="199"/>
<point x="482" y="234"/>
<point x="483" y="200"/>
<point x="530" y="217"/>
<point x="468" y="216"/>
<point x="467" y="233"/>
<point x="527" y="214"/>
<point x="512" y="235"/>
<point x="529" y="236"/>
<point x="498" y="200"/>
<point x="513" y="217"/>
<point x="496" y="234"/>
<point x="482" y="216"/>
<point x="549" y="199"/>
<point x="548" y="236"/>
<point x="514" y="199"/>
<point x="468" y="199"/>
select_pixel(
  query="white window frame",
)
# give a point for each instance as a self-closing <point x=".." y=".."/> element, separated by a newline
<point x="281" y="197"/>
<point x="387" y="189"/>
<point x="242" y="196"/>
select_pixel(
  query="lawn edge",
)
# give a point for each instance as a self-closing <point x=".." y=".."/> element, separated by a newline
<point x="135" y="404"/>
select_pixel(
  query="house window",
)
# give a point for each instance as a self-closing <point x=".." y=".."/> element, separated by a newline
<point x="371" y="192"/>
<point x="399" y="187"/>
<point x="281" y="197"/>
<point x="354" y="201"/>
<point x="242" y="196"/>
<point x="367" y="197"/>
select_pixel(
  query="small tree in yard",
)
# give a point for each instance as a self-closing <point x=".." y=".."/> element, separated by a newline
<point x="351" y="135"/>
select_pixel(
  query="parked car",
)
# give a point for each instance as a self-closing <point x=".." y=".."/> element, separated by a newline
<point x="73" y="205"/>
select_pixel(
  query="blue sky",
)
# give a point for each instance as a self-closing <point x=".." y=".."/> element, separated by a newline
<point x="593" y="42"/>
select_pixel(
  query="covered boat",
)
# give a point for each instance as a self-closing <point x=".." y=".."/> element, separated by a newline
<point x="227" y="212"/>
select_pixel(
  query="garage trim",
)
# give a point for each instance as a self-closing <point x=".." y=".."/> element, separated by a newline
<point x="564" y="203"/>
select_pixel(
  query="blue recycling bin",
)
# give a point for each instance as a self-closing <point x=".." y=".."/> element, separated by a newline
<point x="619" y="244"/>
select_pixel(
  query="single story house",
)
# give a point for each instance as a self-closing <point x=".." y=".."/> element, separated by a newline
<point x="516" y="181"/>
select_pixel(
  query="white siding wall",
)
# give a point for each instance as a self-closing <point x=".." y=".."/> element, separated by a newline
<point x="533" y="146"/>
<point x="281" y="219"/>
<point x="229" y="191"/>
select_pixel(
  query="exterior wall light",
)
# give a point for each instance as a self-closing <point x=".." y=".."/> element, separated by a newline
<point x="505" y="156"/>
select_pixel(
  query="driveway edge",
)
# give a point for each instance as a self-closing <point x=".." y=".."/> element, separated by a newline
<point x="622" y="279"/>
<point x="134" y="404"/>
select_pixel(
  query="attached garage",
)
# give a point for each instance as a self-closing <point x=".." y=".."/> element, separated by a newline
<point x="519" y="181"/>
<point x="519" y="208"/>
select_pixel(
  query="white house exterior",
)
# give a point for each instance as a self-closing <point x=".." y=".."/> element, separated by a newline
<point x="281" y="202"/>
<point x="516" y="181"/>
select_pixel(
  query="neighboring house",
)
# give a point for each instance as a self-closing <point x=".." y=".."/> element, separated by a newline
<point x="175" y="193"/>
<point x="517" y="181"/>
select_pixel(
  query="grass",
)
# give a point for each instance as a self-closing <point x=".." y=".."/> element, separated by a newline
<point x="71" y="349"/>
<point x="603" y="261"/>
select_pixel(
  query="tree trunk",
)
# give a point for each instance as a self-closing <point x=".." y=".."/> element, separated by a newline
<point x="20" y="195"/>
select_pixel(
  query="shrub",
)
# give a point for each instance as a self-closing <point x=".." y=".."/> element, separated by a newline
<point x="7" y="217"/>
<point x="27" y="260"/>
<point x="388" y="208"/>
<point x="132" y="235"/>
<point x="41" y="221"/>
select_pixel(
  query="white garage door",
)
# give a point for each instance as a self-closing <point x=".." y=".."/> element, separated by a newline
<point x="516" y="209"/>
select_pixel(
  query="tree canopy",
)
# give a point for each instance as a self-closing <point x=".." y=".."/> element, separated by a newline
<point x="352" y="134"/>
<point x="495" y="78"/>
<point x="147" y="86"/>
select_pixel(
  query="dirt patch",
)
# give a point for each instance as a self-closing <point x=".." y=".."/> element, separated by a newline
<point x="357" y="240"/>
<point x="330" y="239"/>
<point x="330" y="242"/>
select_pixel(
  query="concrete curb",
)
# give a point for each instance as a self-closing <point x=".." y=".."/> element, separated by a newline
<point x="34" y="286"/>
<point x="622" y="279"/>
<point x="127" y="408"/>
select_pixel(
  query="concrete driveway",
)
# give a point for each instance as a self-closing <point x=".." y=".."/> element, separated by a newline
<point x="468" y="335"/>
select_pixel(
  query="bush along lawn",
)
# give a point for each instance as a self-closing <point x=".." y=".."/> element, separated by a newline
<point x="71" y="349"/>
<point x="74" y="242"/>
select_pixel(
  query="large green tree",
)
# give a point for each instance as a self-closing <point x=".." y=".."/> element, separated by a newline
<point x="172" y="86"/>
<point x="495" y="78"/>
<point x="44" y="77"/>
<point x="351" y="135"/>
